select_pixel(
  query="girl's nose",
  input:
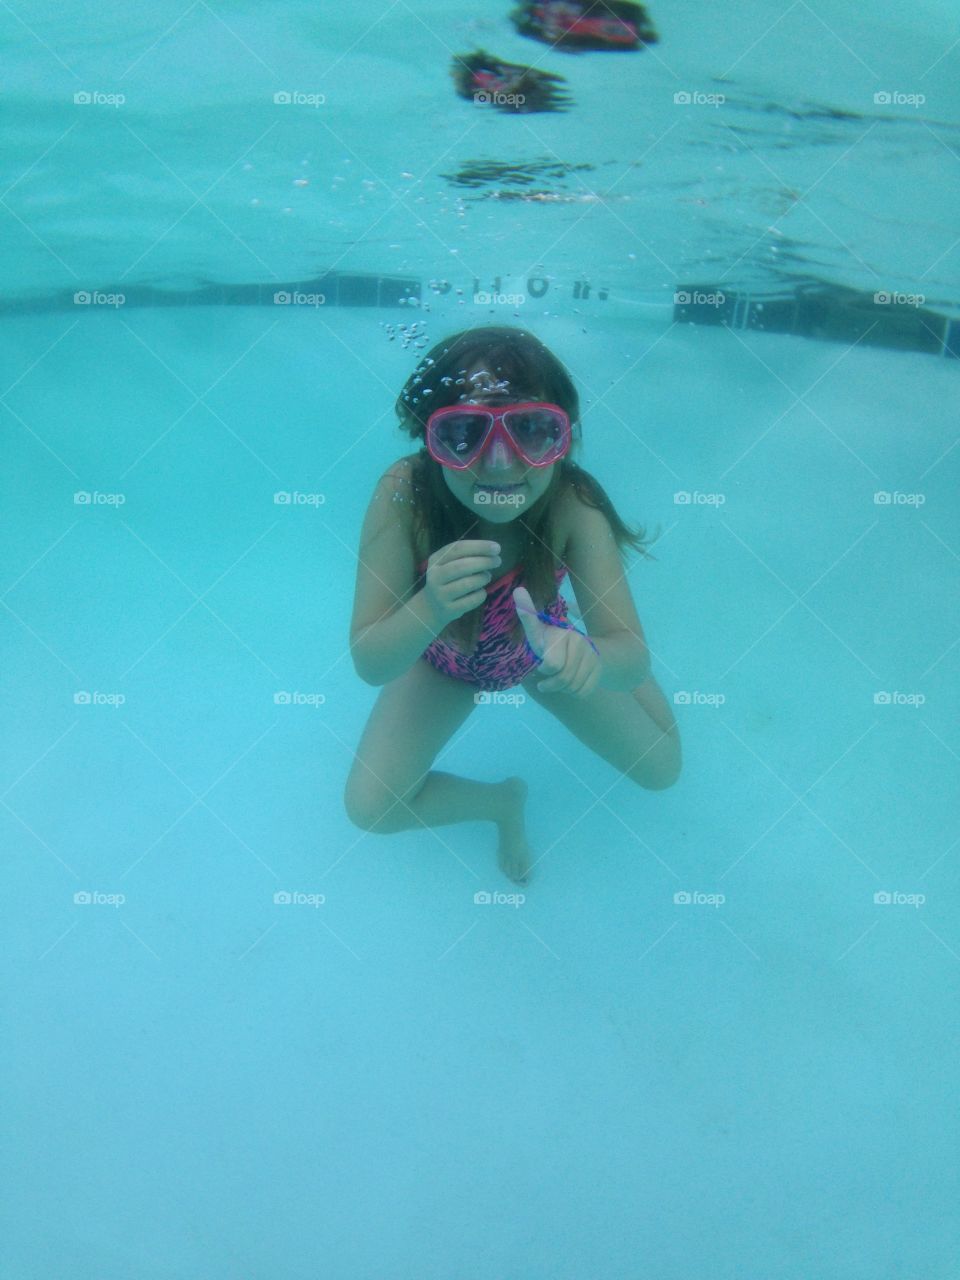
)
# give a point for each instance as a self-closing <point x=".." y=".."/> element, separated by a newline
<point x="499" y="455"/>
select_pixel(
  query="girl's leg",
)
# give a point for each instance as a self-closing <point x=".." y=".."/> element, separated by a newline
<point x="634" y="732"/>
<point x="390" y="788"/>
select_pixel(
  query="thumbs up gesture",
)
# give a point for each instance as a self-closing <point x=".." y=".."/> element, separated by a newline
<point x="568" y="659"/>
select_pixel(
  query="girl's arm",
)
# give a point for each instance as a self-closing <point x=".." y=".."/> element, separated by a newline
<point x="603" y="598"/>
<point x="386" y="649"/>
<point x="626" y="661"/>
<point x="390" y="627"/>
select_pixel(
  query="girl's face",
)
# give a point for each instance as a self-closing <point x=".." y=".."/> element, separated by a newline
<point x="499" y="485"/>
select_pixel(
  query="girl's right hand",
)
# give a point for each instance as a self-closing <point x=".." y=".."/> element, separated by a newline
<point x="456" y="576"/>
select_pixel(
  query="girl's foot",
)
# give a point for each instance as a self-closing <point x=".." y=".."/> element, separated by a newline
<point x="513" y="852"/>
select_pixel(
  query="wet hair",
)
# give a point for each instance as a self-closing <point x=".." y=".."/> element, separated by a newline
<point x="528" y="370"/>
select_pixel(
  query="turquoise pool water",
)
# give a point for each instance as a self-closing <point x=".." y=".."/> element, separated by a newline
<point x="381" y="1077"/>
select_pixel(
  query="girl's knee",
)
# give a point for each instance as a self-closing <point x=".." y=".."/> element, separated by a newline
<point x="369" y="804"/>
<point x="661" y="766"/>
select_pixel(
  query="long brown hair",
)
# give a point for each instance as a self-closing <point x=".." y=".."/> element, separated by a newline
<point x="522" y="361"/>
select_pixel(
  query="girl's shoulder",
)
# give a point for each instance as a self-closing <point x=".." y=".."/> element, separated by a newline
<point x="400" y="474"/>
<point x="402" y="468"/>
<point x="565" y="509"/>
<point x="397" y="479"/>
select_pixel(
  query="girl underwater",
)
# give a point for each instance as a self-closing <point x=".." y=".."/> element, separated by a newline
<point x="494" y="487"/>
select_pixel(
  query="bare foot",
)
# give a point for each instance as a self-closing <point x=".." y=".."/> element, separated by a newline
<point x="513" y="853"/>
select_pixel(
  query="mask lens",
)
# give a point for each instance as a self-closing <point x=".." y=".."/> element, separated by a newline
<point x="538" y="432"/>
<point x="458" y="435"/>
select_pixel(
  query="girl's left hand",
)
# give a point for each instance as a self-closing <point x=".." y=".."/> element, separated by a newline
<point x="567" y="658"/>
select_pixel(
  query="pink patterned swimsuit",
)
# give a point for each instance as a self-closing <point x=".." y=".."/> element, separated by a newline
<point x="496" y="662"/>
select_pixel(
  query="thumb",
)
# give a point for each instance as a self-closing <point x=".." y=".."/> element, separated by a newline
<point x="533" y="628"/>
